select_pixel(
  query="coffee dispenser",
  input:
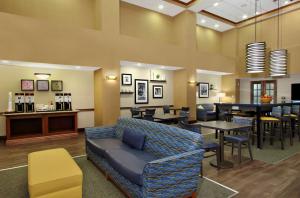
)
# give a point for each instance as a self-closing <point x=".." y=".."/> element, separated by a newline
<point x="29" y="102"/>
<point x="67" y="102"/>
<point x="19" y="102"/>
<point x="59" y="102"/>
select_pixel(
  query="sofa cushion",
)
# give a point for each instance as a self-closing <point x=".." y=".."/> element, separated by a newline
<point x="208" y="107"/>
<point x="130" y="163"/>
<point x="211" y="112"/>
<point x="101" y="146"/>
<point x="133" y="138"/>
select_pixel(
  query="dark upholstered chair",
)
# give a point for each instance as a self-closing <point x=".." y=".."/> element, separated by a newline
<point x="135" y="113"/>
<point x="207" y="146"/>
<point x="166" y="109"/>
<point x="150" y="111"/>
<point x="185" y="109"/>
<point x="205" y="112"/>
<point x="148" y="117"/>
<point x="241" y="137"/>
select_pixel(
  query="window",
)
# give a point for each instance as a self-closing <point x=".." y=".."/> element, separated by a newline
<point x="260" y="88"/>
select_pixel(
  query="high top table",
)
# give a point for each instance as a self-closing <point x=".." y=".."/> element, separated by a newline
<point x="258" y="109"/>
<point x="221" y="127"/>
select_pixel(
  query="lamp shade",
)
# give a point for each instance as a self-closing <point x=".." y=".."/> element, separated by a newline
<point x="255" y="57"/>
<point x="221" y="95"/>
<point x="278" y="62"/>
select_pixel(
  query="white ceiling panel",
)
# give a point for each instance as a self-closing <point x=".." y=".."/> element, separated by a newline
<point x="158" y="6"/>
<point x="237" y="10"/>
<point x="211" y="23"/>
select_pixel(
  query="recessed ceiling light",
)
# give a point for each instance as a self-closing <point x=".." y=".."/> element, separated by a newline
<point x="203" y="21"/>
<point x="245" y="16"/>
<point x="286" y="2"/>
<point x="161" y="7"/>
<point x="4" y="61"/>
<point x="257" y="13"/>
<point x="216" y="25"/>
<point x="77" y="67"/>
<point x="162" y="67"/>
<point x="216" y="4"/>
<point x="139" y="64"/>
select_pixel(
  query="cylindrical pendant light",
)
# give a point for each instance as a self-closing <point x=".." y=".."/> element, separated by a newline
<point x="255" y="57"/>
<point x="255" y="53"/>
<point x="278" y="57"/>
<point x="278" y="62"/>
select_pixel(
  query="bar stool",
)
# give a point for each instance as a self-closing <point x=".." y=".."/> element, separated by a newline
<point x="277" y="119"/>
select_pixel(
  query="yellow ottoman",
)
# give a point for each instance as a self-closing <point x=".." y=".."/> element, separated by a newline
<point x="53" y="174"/>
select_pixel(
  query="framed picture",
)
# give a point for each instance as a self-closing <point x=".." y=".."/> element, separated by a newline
<point x="56" y="85"/>
<point x="158" y="91"/>
<point x="141" y="91"/>
<point x="126" y="79"/>
<point x="27" y="85"/>
<point x="157" y="75"/>
<point x="203" y="90"/>
<point x="42" y="85"/>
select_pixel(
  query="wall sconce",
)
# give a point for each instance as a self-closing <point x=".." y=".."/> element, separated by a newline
<point x="111" y="77"/>
<point x="192" y="82"/>
<point x="42" y="76"/>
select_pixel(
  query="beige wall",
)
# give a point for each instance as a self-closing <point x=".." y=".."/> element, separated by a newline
<point x="209" y="40"/>
<point x="145" y="24"/>
<point x="79" y="83"/>
<point x="69" y="12"/>
<point x="144" y="73"/>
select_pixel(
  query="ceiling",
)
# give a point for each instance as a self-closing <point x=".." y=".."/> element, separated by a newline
<point x="213" y="12"/>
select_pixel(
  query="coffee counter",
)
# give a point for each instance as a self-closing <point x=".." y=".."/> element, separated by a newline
<point x="40" y="126"/>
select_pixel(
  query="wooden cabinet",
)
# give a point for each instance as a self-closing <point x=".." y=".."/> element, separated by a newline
<point x="39" y="126"/>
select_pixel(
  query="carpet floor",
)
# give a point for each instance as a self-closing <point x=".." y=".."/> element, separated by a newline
<point x="271" y="154"/>
<point x="13" y="184"/>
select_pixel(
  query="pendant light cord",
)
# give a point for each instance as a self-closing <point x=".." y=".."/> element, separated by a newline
<point x="255" y="20"/>
<point x="278" y="21"/>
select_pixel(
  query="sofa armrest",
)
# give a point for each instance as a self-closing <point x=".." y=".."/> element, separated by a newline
<point x="100" y="132"/>
<point x="162" y="177"/>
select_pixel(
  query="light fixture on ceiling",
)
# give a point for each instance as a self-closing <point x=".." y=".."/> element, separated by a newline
<point x="203" y="21"/>
<point x="161" y="6"/>
<point x="216" y="25"/>
<point x="286" y="2"/>
<point x="42" y="76"/>
<point x="77" y="67"/>
<point x="257" y="13"/>
<point x="216" y="4"/>
<point x="244" y="16"/>
<point x="278" y="57"/>
<point x="4" y="61"/>
<point x="139" y="64"/>
<point x="255" y="53"/>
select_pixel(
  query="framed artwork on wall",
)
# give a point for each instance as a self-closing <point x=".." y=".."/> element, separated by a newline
<point x="27" y="85"/>
<point x="158" y="91"/>
<point x="141" y="93"/>
<point x="56" y="85"/>
<point x="126" y="79"/>
<point x="42" y="85"/>
<point x="203" y="90"/>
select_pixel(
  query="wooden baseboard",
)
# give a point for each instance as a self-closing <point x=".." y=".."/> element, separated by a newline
<point x="2" y="137"/>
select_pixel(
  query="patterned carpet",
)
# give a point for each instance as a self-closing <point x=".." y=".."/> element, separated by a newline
<point x="14" y="184"/>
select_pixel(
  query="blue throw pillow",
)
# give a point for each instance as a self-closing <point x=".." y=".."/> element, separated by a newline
<point x="133" y="138"/>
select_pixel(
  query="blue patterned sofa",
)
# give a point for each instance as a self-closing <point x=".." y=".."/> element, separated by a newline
<point x="172" y="170"/>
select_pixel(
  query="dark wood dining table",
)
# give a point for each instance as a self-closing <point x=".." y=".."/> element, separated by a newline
<point x="174" y="109"/>
<point x="166" y="117"/>
<point x="221" y="127"/>
<point x="257" y="109"/>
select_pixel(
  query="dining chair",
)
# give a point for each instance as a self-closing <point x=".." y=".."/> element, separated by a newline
<point x="241" y="137"/>
<point x="148" y="117"/>
<point x="135" y="113"/>
<point x="166" y="109"/>
<point x="207" y="146"/>
<point x="185" y="109"/>
<point x="150" y="111"/>
<point x="184" y="116"/>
